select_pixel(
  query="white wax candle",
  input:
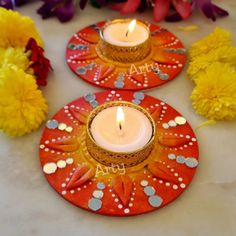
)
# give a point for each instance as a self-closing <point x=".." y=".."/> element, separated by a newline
<point x="136" y="132"/>
<point x="115" y="33"/>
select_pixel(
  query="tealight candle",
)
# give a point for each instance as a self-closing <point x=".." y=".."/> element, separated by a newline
<point x="121" y="129"/>
<point x="125" y="33"/>
<point x="125" y="41"/>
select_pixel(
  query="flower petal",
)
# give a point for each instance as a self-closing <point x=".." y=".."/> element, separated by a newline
<point x="161" y="9"/>
<point x="117" y="6"/>
<point x="183" y="8"/>
<point x="6" y="4"/>
<point x="174" y="17"/>
<point x="46" y="10"/>
<point x="66" y="12"/>
<point x="82" y="4"/>
<point x="219" y="11"/>
<point x="208" y="11"/>
<point x="101" y="2"/>
<point x="130" y="6"/>
<point x="21" y="2"/>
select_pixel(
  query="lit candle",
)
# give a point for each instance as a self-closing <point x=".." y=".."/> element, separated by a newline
<point x="123" y="33"/>
<point x="121" y="129"/>
<point x="120" y="118"/>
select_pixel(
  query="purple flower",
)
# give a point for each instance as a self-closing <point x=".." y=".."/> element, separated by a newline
<point x="210" y="10"/>
<point x="21" y="2"/>
<point x="64" y="10"/>
<point x="8" y="4"/>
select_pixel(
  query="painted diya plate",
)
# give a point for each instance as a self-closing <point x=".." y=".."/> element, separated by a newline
<point x="163" y="63"/>
<point x="115" y="190"/>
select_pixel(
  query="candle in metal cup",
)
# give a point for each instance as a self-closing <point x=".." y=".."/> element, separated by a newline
<point x="137" y="130"/>
<point x="123" y="33"/>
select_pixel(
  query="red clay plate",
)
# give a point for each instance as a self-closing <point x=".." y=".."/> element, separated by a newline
<point x="86" y="183"/>
<point x="168" y="54"/>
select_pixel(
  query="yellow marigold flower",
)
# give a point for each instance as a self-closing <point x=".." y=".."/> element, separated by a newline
<point x="22" y="105"/>
<point x="215" y="93"/>
<point x="16" y="30"/>
<point x="224" y="54"/>
<point x="218" y="38"/>
<point x="15" y="56"/>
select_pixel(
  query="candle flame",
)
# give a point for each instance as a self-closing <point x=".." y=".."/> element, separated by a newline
<point x="131" y="27"/>
<point x="120" y="117"/>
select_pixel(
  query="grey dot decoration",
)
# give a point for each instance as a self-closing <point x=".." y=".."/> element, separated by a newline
<point x="77" y="47"/>
<point x="144" y="183"/>
<point x="155" y="201"/>
<point x="169" y="49"/>
<point x="180" y="120"/>
<point x="52" y="124"/>
<point x="165" y="126"/>
<point x="149" y="191"/>
<point x="98" y="194"/>
<point x="136" y="101"/>
<point x="172" y="123"/>
<point x="180" y="159"/>
<point x="94" y="104"/>
<point x="72" y="46"/>
<point x="139" y="95"/>
<point x="190" y="162"/>
<point x="156" y="32"/>
<point x="119" y="84"/>
<point x="101" y="185"/>
<point x="81" y="70"/>
<point x="171" y="156"/>
<point x="156" y="70"/>
<point x="64" y="127"/>
<point x="89" y="97"/>
<point x="95" y="27"/>
<point x="163" y="76"/>
<point x="180" y="50"/>
<point x="94" y="204"/>
<point x="175" y="50"/>
<point x="90" y="66"/>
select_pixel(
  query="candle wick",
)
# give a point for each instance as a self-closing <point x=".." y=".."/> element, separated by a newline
<point x="127" y="32"/>
<point x="120" y="126"/>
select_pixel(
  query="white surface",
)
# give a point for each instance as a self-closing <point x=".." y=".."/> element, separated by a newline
<point x="29" y="206"/>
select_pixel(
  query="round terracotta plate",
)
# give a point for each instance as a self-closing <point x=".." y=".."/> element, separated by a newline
<point x="163" y="64"/>
<point x="115" y="190"/>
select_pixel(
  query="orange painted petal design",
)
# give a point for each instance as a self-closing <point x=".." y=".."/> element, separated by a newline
<point x="65" y="145"/>
<point x="81" y="116"/>
<point x="171" y="141"/>
<point x="138" y="77"/>
<point x="162" y="57"/>
<point x="86" y="56"/>
<point x="81" y="175"/>
<point x="123" y="185"/>
<point x="162" y="172"/>
<point x="105" y="71"/>
<point x="90" y="38"/>
<point x="156" y="113"/>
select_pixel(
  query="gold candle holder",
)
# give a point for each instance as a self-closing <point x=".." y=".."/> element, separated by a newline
<point x="109" y="158"/>
<point x="124" y="54"/>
